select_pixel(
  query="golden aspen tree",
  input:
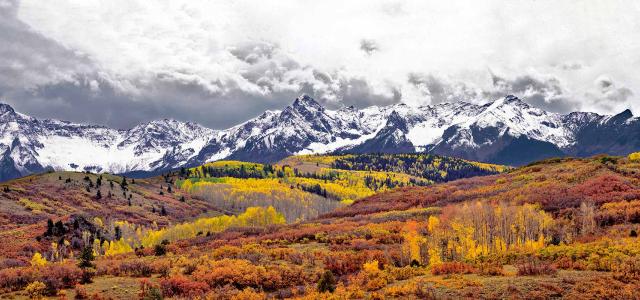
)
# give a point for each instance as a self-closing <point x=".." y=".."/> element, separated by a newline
<point x="37" y="260"/>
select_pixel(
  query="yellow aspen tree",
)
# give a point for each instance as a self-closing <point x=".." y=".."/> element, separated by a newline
<point x="37" y="260"/>
<point x="433" y="223"/>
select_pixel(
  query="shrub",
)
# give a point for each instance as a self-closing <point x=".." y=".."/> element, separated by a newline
<point x="371" y="277"/>
<point x="629" y="270"/>
<point x="182" y="286"/>
<point x="343" y="263"/>
<point x="134" y="268"/>
<point x="60" y="276"/>
<point x="149" y="291"/>
<point x="489" y="269"/>
<point x="242" y="274"/>
<point x="14" y="279"/>
<point x="160" y="250"/>
<point x="249" y="294"/>
<point x="36" y="290"/>
<point x="452" y="268"/>
<point x="81" y="293"/>
<point x="404" y="273"/>
<point x="533" y="267"/>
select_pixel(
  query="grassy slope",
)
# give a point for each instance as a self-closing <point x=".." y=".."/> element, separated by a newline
<point x="371" y="228"/>
<point x="554" y="184"/>
<point x="32" y="200"/>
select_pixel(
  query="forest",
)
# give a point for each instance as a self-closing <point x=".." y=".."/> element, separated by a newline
<point x="558" y="228"/>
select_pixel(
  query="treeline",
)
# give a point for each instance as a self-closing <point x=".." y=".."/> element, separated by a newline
<point x="237" y="170"/>
<point x="433" y="167"/>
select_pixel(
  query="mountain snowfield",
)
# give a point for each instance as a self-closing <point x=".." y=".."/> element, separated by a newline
<point x="505" y="131"/>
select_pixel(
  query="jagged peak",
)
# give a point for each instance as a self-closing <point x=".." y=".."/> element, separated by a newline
<point x="622" y="116"/>
<point x="509" y="100"/>
<point x="6" y="108"/>
<point x="305" y="101"/>
<point x="395" y="120"/>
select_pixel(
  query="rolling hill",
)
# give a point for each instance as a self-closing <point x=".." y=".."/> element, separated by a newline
<point x="558" y="228"/>
<point x="300" y="187"/>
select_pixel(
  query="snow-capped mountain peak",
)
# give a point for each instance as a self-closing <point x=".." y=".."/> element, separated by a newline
<point x="507" y="130"/>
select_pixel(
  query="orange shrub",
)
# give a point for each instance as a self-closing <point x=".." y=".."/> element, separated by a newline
<point x="54" y="276"/>
<point x="182" y="286"/>
<point x="133" y="268"/>
<point x="453" y="268"/>
<point x="242" y="273"/>
<point x="490" y="269"/>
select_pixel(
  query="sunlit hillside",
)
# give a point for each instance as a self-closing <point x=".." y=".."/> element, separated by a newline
<point x="558" y="228"/>
<point x="304" y="187"/>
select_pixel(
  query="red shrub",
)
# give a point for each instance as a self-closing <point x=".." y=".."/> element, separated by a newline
<point x="453" y="268"/>
<point x="134" y="268"/>
<point x="182" y="286"/>
<point x="59" y="276"/>
<point x="13" y="279"/>
<point x="534" y="267"/>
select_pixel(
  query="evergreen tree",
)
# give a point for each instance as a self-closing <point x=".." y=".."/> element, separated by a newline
<point x="327" y="282"/>
<point x="86" y="258"/>
<point x="118" y="233"/>
<point x="49" y="228"/>
<point x="85" y="263"/>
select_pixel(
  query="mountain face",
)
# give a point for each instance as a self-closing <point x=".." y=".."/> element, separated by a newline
<point x="506" y="131"/>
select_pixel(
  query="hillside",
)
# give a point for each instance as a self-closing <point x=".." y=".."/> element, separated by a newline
<point x="303" y="187"/>
<point x="560" y="228"/>
<point x="298" y="187"/>
<point x="556" y="185"/>
<point x="26" y="204"/>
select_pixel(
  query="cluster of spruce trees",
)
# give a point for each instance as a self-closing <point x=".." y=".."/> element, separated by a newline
<point x="426" y="166"/>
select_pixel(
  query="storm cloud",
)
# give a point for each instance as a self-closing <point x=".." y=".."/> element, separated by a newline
<point x="219" y="63"/>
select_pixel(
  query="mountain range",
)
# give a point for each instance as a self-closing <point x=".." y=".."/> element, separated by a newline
<point x="505" y="131"/>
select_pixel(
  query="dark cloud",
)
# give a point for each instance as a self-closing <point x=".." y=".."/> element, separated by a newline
<point x="43" y="78"/>
<point x="358" y="93"/>
<point x="547" y="93"/>
<point x="28" y="58"/>
<point x="439" y="91"/>
<point x="611" y="92"/>
<point x="369" y="46"/>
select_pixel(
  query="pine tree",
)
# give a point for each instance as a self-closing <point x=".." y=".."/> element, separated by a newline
<point x="85" y="263"/>
<point x="49" y="228"/>
<point x="327" y="282"/>
<point x="118" y="233"/>
<point x="86" y="258"/>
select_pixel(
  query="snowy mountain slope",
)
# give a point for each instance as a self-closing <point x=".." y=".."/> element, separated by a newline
<point x="505" y="131"/>
<point x="30" y="145"/>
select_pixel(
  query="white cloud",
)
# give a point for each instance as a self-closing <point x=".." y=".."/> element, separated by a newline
<point x="261" y="47"/>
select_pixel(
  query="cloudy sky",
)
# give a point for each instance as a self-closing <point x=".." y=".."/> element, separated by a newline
<point x="122" y="62"/>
